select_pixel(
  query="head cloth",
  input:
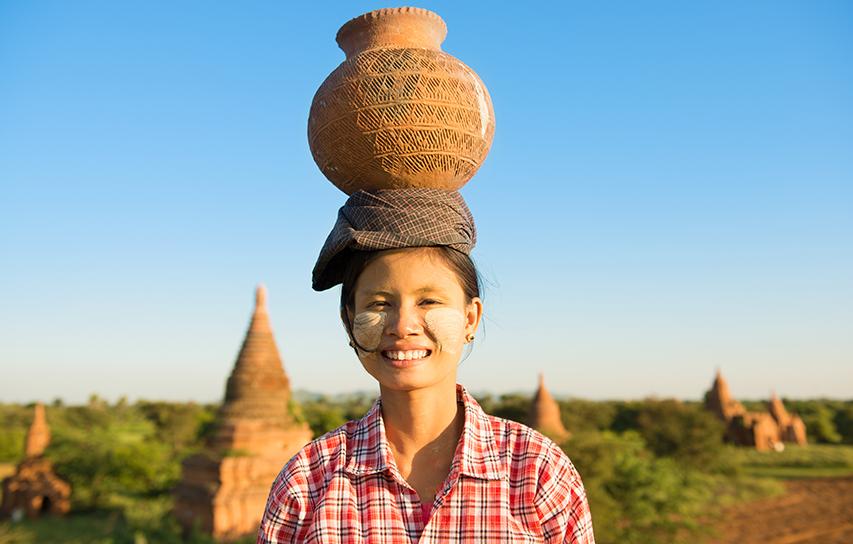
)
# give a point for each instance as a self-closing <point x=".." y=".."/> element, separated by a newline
<point x="391" y="219"/>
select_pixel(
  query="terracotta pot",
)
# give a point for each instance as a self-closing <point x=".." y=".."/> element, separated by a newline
<point x="399" y="112"/>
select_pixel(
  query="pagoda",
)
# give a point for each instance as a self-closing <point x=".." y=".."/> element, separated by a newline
<point x="760" y="430"/>
<point x="544" y="414"/>
<point x="223" y="490"/>
<point x="719" y="400"/>
<point x="34" y="489"/>
<point x="791" y="427"/>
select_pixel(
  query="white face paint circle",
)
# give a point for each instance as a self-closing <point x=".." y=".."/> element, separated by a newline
<point x="367" y="327"/>
<point x="447" y="326"/>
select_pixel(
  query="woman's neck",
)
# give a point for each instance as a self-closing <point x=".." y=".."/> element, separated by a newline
<point x="423" y="428"/>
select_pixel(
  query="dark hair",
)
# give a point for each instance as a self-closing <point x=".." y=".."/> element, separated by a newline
<point x="356" y="261"/>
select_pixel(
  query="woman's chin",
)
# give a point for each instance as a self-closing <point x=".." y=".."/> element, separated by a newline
<point x="411" y="374"/>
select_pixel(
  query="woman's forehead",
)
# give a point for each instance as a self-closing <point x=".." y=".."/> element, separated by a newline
<point x="371" y="290"/>
<point x="416" y="276"/>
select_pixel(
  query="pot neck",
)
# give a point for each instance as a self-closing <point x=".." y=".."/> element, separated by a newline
<point x="392" y="28"/>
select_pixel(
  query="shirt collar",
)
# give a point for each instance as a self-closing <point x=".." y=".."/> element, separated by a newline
<point x="475" y="455"/>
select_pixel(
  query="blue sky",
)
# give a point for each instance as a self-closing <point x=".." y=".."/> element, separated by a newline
<point x="670" y="190"/>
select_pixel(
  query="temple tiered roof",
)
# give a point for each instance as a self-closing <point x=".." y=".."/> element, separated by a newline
<point x="258" y="387"/>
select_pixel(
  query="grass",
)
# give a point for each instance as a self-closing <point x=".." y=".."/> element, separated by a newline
<point x="99" y="527"/>
<point x="797" y="462"/>
<point x="798" y="473"/>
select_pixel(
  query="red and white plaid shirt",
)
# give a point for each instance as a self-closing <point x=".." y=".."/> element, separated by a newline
<point x="507" y="483"/>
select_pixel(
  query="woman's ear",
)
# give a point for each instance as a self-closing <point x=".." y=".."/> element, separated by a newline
<point x="473" y="314"/>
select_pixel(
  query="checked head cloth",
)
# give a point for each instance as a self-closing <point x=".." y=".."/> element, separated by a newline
<point x="392" y="219"/>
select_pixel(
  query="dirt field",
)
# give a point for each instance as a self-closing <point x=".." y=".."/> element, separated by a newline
<point x="810" y="512"/>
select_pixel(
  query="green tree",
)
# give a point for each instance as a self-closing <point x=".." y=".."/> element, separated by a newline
<point x="14" y="422"/>
<point x="323" y="416"/>
<point x="579" y="414"/>
<point x="820" y="425"/>
<point x="843" y="420"/>
<point x="512" y="406"/>
<point x="178" y="424"/>
<point x="685" y="432"/>
<point x="634" y="496"/>
<point x="117" y="459"/>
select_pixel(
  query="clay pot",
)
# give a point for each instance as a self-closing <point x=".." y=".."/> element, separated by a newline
<point x="399" y="112"/>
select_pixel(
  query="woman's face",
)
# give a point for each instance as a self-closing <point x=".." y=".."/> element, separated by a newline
<point x="411" y="314"/>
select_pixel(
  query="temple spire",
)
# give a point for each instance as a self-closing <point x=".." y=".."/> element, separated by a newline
<point x="719" y="399"/>
<point x="38" y="436"/>
<point x="260" y="323"/>
<point x="544" y="413"/>
<point x="778" y="411"/>
<point x="260" y="298"/>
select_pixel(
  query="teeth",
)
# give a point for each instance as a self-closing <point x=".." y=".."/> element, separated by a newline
<point x="406" y="355"/>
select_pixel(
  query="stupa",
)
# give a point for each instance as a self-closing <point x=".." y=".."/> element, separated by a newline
<point x="544" y="414"/>
<point x="223" y="490"/>
<point x="791" y="427"/>
<point x="760" y="430"/>
<point x="719" y="399"/>
<point x="34" y="489"/>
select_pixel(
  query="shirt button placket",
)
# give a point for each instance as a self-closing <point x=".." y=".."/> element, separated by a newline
<point x="409" y="501"/>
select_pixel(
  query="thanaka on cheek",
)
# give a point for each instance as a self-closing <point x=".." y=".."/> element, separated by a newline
<point x="446" y="325"/>
<point x="367" y="327"/>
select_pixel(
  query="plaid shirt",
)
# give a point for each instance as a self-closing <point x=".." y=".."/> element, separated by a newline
<point x="507" y="483"/>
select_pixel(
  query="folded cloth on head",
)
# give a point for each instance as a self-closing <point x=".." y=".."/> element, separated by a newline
<point x="390" y="219"/>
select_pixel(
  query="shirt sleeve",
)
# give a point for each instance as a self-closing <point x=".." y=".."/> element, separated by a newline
<point x="286" y="517"/>
<point x="561" y="501"/>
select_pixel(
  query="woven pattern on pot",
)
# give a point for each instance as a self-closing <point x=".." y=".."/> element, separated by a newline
<point x="401" y="118"/>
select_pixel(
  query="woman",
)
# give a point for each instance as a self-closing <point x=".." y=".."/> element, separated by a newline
<point x="425" y="464"/>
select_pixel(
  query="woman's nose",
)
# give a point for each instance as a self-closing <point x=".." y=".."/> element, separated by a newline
<point x="405" y="321"/>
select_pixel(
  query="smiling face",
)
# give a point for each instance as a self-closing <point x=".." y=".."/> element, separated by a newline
<point x="411" y="314"/>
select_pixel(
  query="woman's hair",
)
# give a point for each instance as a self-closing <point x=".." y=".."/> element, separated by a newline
<point x="460" y="263"/>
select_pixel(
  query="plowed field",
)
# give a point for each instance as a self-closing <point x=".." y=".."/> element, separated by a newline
<point x="816" y="511"/>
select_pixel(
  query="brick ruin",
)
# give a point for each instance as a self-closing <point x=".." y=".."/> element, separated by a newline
<point x="34" y="489"/>
<point x="544" y="415"/>
<point x="761" y="430"/>
<point x="223" y="490"/>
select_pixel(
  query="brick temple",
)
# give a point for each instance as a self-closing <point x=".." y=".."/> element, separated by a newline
<point x="223" y="490"/>
<point x="760" y="430"/>
<point x="34" y="489"/>
<point x="544" y="415"/>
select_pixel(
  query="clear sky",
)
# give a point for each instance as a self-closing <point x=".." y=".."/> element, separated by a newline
<point x="670" y="190"/>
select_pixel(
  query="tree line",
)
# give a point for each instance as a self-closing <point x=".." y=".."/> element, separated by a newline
<point x="653" y="469"/>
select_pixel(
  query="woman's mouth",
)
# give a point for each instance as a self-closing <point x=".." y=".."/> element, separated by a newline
<point x="405" y="358"/>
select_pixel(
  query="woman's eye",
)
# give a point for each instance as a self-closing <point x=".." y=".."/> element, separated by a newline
<point x="430" y="301"/>
<point x="377" y="304"/>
